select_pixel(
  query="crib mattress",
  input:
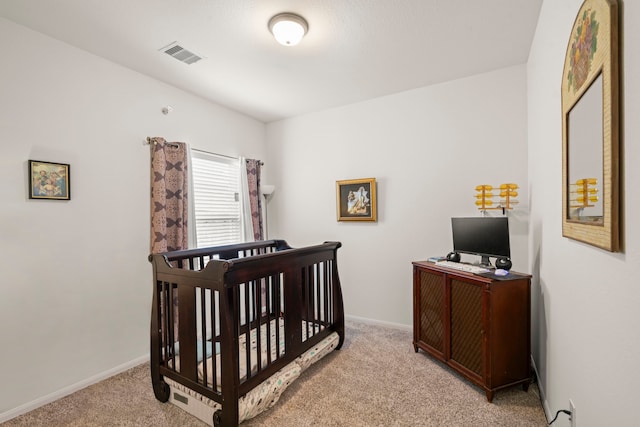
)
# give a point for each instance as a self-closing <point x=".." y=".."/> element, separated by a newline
<point x="258" y="399"/>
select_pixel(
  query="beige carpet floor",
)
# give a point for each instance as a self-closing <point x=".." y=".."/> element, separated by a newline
<point x="376" y="379"/>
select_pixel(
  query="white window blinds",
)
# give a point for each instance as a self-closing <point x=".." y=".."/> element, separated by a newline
<point x="216" y="188"/>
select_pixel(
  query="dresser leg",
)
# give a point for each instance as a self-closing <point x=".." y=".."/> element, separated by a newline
<point x="489" y="394"/>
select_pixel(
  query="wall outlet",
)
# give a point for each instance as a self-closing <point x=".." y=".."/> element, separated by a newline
<point x="572" y="417"/>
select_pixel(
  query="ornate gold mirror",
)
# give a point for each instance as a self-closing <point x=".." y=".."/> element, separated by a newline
<point x="590" y="127"/>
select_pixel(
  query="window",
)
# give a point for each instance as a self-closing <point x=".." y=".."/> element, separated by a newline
<point x="216" y="196"/>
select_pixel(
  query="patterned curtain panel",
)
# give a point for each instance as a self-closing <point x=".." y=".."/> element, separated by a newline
<point x="169" y="195"/>
<point x="253" y="178"/>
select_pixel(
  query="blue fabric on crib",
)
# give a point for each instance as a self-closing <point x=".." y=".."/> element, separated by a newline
<point x="209" y="349"/>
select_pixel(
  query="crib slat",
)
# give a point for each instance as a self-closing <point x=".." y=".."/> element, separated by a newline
<point x="203" y="336"/>
<point x="308" y="288"/>
<point x="215" y="338"/>
<point x="269" y="314"/>
<point x="170" y="321"/>
<point x="278" y="309"/>
<point x="326" y="293"/>
<point x="247" y="326"/>
<point x="256" y="288"/>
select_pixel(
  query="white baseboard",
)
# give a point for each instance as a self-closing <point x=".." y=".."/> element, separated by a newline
<point x="379" y="322"/>
<point x="30" y="406"/>
<point x="543" y="396"/>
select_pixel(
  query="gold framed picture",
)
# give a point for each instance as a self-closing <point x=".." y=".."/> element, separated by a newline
<point x="356" y="199"/>
<point x="49" y="180"/>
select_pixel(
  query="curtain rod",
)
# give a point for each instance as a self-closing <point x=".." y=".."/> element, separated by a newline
<point x="174" y="145"/>
<point x="170" y="144"/>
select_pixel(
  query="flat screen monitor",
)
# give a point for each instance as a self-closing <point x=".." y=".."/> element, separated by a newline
<point x="483" y="236"/>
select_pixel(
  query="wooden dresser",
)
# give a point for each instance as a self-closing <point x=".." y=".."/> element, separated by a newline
<point x="479" y="326"/>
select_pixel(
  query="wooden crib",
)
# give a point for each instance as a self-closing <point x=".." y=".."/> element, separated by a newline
<point x="226" y="319"/>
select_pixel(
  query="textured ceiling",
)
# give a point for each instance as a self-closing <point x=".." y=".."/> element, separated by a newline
<point x="355" y="49"/>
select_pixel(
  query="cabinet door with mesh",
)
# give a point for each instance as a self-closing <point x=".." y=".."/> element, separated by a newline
<point x="466" y="325"/>
<point x="431" y="310"/>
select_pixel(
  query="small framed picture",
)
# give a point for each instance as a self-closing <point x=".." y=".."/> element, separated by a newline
<point x="356" y="199"/>
<point x="49" y="180"/>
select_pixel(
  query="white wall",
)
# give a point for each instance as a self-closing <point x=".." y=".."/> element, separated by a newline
<point x="586" y="315"/>
<point x="428" y="149"/>
<point x="76" y="285"/>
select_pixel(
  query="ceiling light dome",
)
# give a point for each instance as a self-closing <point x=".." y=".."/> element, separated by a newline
<point x="288" y="28"/>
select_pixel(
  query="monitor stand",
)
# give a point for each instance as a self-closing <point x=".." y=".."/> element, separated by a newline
<point x="485" y="261"/>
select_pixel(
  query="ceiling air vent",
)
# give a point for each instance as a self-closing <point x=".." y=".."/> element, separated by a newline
<point x="181" y="54"/>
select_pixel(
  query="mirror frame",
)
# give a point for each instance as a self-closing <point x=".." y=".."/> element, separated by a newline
<point x="603" y="59"/>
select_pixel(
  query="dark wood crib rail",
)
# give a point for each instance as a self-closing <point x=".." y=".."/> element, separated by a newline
<point x="197" y="259"/>
<point x="240" y="287"/>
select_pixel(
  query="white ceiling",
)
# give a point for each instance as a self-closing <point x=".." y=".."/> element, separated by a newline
<point x="355" y="49"/>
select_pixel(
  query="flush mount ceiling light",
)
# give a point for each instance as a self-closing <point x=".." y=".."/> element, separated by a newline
<point x="288" y="28"/>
